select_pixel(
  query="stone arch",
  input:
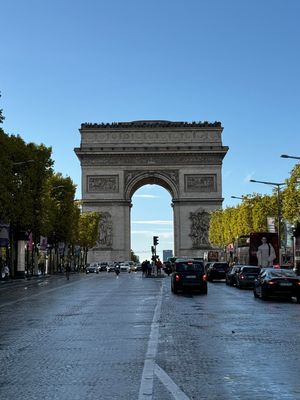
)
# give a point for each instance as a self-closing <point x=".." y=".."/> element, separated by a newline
<point x="119" y="158"/>
<point x="135" y="180"/>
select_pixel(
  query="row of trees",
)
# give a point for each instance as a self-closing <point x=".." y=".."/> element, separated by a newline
<point x="36" y="201"/>
<point x="251" y="215"/>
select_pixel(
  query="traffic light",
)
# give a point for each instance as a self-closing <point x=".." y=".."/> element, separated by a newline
<point x="155" y="240"/>
<point x="152" y="250"/>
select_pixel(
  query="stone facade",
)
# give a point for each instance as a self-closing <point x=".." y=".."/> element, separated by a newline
<point x="119" y="158"/>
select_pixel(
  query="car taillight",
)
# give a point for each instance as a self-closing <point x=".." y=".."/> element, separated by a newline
<point x="204" y="278"/>
<point x="242" y="276"/>
<point x="177" y="278"/>
<point x="298" y="283"/>
<point x="271" y="282"/>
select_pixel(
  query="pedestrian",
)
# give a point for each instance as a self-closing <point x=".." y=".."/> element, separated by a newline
<point x="144" y="268"/>
<point x="149" y="269"/>
<point x="68" y="270"/>
<point x="265" y="254"/>
<point x="159" y="266"/>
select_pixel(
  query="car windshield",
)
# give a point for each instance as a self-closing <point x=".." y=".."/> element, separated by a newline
<point x="251" y="270"/>
<point x="282" y="273"/>
<point x="220" y="266"/>
<point x="181" y="267"/>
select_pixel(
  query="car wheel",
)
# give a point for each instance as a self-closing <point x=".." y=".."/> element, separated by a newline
<point x="298" y="299"/>
<point x="175" y="290"/>
<point x="255" y="294"/>
<point x="204" y="291"/>
<point x="263" y="295"/>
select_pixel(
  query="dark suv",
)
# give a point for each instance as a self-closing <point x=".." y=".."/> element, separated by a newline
<point x="188" y="274"/>
<point x="217" y="270"/>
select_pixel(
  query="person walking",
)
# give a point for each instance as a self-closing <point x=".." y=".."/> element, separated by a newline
<point x="68" y="270"/>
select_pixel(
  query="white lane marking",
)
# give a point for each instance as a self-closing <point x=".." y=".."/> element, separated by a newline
<point x="170" y="385"/>
<point x="146" y="387"/>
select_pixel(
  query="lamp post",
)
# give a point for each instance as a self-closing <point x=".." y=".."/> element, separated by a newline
<point x="287" y="156"/>
<point x="277" y="186"/>
<point x="237" y="197"/>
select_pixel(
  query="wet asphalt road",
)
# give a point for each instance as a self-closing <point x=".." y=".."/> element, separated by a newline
<point x="102" y="337"/>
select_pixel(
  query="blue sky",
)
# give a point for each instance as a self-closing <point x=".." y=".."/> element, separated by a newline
<point x="65" y="62"/>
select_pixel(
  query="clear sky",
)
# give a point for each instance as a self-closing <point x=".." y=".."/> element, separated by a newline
<point x="65" y="62"/>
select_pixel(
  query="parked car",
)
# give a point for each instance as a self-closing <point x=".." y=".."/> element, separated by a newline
<point x="246" y="276"/>
<point x="277" y="283"/>
<point x="230" y="278"/>
<point x="217" y="270"/>
<point x="188" y="274"/>
<point x="94" y="268"/>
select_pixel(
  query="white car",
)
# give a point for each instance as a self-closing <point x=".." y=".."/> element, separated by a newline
<point x="125" y="267"/>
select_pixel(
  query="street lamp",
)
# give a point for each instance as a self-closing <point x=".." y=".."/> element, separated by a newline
<point x="237" y="197"/>
<point x="287" y="156"/>
<point x="277" y="185"/>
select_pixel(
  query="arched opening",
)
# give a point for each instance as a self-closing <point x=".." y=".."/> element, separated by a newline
<point x="151" y="215"/>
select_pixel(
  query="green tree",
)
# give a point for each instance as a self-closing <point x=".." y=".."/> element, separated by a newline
<point x="134" y="257"/>
<point x="291" y="197"/>
<point x="2" y="118"/>
<point x="88" y="231"/>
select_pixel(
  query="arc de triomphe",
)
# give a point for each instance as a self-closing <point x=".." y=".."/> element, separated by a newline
<point x="118" y="158"/>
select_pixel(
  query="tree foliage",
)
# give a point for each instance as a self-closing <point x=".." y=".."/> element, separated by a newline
<point x="250" y="216"/>
<point x="291" y="197"/>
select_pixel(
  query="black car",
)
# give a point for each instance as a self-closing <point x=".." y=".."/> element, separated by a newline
<point x="277" y="283"/>
<point x="230" y="278"/>
<point x="217" y="270"/>
<point x="246" y="276"/>
<point x="188" y="274"/>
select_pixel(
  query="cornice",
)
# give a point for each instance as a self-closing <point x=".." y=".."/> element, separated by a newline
<point x="151" y="124"/>
<point x="153" y="159"/>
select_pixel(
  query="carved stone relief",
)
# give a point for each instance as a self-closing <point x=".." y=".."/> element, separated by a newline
<point x="105" y="230"/>
<point x="170" y="174"/>
<point x="103" y="183"/>
<point x="199" y="228"/>
<point x="200" y="183"/>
